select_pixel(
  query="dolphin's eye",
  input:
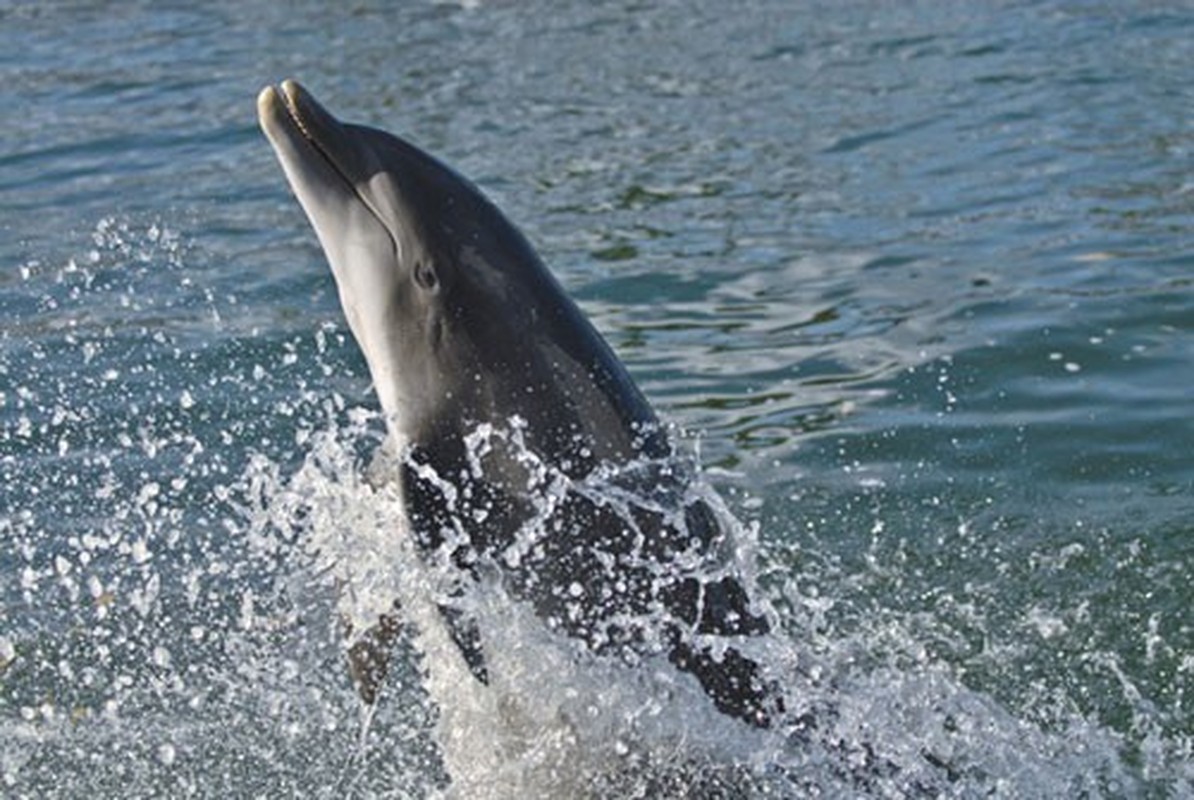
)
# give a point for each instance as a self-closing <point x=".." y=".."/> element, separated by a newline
<point x="425" y="276"/>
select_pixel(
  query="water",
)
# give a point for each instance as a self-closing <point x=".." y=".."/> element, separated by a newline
<point x="917" y="278"/>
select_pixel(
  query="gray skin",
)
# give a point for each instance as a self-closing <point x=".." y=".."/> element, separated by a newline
<point x="578" y="500"/>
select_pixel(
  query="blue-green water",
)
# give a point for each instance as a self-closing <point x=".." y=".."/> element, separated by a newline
<point x="918" y="277"/>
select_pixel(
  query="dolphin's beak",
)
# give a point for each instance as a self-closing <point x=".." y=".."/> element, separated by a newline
<point x="293" y="121"/>
<point x="293" y="105"/>
<point x="274" y="113"/>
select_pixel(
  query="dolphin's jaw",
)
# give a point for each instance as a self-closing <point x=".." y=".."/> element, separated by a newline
<point x="317" y="156"/>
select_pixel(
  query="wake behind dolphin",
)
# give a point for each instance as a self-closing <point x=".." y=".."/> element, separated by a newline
<point x="524" y="448"/>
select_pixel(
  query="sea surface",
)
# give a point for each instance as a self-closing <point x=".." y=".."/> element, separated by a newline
<point x="916" y="281"/>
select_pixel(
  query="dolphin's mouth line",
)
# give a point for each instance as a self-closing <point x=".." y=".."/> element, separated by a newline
<point x="296" y="118"/>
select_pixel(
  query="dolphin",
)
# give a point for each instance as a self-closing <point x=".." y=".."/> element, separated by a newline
<point x="525" y="449"/>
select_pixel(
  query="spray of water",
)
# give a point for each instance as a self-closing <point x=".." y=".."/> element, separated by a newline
<point x="193" y="534"/>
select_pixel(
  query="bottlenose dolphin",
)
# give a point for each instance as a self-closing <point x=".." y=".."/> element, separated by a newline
<point x="524" y="447"/>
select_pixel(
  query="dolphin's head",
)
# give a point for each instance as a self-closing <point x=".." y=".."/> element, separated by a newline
<point x="363" y="191"/>
<point x="457" y="317"/>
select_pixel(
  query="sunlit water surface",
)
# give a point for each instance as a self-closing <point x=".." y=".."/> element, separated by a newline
<point x="915" y="278"/>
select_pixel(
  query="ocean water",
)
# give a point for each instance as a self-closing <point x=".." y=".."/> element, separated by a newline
<point x="916" y="280"/>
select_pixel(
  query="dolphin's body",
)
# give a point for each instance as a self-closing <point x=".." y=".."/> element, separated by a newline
<point x="526" y="449"/>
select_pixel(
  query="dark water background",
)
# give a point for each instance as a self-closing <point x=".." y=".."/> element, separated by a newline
<point x="919" y="277"/>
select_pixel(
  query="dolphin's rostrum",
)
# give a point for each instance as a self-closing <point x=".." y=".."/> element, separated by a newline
<point x="525" y="447"/>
